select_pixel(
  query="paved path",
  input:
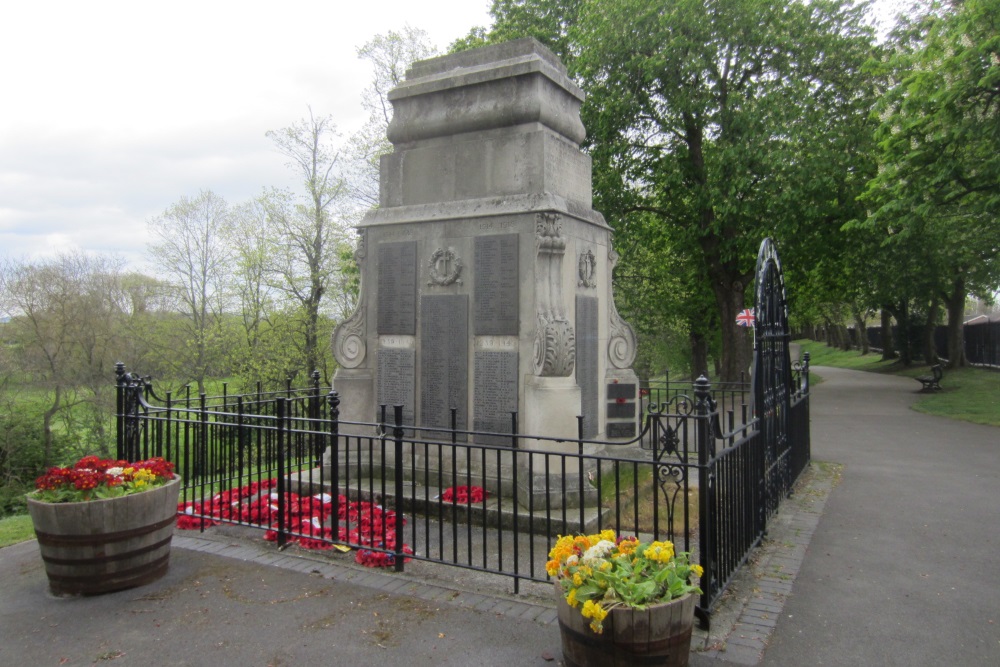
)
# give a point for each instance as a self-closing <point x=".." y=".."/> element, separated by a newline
<point x="904" y="566"/>
<point x="896" y="565"/>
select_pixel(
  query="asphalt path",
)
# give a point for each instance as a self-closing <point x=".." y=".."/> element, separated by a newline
<point x="903" y="568"/>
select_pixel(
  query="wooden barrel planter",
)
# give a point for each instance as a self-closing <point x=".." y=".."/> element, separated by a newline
<point x="657" y="635"/>
<point x="100" y="546"/>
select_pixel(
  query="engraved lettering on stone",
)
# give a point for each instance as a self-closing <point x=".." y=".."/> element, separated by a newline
<point x="586" y="362"/>
<point x="444" y="358"/>
<point x="397" y="288"/>
<point x="396" y="373"/>
<point x="494" y="394"/>
<point x="496" y="289"/>
<point x="445" y="267"/>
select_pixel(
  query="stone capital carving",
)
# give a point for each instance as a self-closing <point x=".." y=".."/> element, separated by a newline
<point x="555" y="347"/>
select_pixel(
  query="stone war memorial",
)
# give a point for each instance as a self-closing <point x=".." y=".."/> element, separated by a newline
<point x="485" y="272"/>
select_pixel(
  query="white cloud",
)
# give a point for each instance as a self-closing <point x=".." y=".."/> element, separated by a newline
<point x="114" y="110"/>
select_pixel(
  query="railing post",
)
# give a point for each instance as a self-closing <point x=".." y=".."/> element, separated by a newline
<point x="334" y="400"/>
<point x="314" y="412"/>
<point x="280" y="416"/>
<point x="120" y="415"/>
<point x="706" y="496"/>
<point x="397" y="435"/>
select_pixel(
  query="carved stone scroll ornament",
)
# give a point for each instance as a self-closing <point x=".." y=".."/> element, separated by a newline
<point x="621" y="340"/>
<point x="349" y="348"/>
<point x="555" y="339"/>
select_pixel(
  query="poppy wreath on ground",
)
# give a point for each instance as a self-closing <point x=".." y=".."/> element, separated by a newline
<point x="464" y="494"/>
<point x="359" y="523"/>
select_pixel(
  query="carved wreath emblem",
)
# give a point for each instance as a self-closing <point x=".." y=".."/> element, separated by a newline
<point x="587" y="267"/>
<point x="445" y="268"/>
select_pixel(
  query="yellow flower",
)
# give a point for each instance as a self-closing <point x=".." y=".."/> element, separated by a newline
<point x="698" y="570"/>
<point x="596" y="613"/>
<point x="552" y="568"/>
<point x="661" y="552"/>
<point x="571" y="598"/>
<point x="577" y="579"/>
<point x="608" y="535"/>
<point x="627" y="547"/>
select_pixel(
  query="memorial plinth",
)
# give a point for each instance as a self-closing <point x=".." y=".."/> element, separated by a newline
<point x="485" y="273"/>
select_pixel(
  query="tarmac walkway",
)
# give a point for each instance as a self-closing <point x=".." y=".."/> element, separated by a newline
<point x="885" y="555"/>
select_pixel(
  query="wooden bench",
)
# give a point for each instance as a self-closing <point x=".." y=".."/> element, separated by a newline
<point x="931" y="382"/>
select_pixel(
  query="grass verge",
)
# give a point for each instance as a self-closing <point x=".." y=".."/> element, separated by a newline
<point x="14" y="529"/>
<point x="970" y="394"/>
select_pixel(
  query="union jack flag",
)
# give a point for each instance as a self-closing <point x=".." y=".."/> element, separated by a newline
<point x="745" y="318"/>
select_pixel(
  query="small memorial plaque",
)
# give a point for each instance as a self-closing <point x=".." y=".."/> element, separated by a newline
<point x="621" y="390"/>
<point x="496" y="286"/>
<point x="494" y="394"/>
<point x="621" y="430"/>
<point x="395" y="383"/>
<point x="444" y="360"/>
<point x="586" y="362"/>
<point x="397" y="288"/>
<point x="623" y="410"/>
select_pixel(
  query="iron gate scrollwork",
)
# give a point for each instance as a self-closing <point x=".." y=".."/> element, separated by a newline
<point x="772" y="373"/>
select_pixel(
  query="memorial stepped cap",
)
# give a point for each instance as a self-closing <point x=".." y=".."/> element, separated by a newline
<point x="515" y="83"/>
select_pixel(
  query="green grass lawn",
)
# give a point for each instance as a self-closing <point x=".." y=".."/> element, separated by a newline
<point x="14" y="529"/>
<point x="970" y="394"/>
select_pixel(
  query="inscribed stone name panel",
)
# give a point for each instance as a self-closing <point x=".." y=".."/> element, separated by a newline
<point x="396" y="380"/>
<point x="397" y="288"/>
<point x="496" y="285"/>
<point x="494" y="394"/>
<point x="586" y="362"/>
<point x="444" y="357"/>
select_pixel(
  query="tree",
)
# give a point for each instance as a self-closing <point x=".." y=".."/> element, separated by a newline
<point x="191" y="252"/>
<point x="726" y="120"/>
<point x="936" y="198"/>
<point x="67" y="323"/>
<point x="309" y="229"/>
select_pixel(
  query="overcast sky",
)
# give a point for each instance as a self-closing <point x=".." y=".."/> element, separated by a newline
<point x="112" y="110"/>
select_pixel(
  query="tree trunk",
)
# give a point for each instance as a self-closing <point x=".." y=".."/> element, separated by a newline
<point x="48" y="437"/>
<point x="902" y="315"/>
<point x="888" y="343"/>
<point x="956" y="331"/>
<point x="861" y="329"/>
<point x="736" y="340"/>
<point x="699" y="355"/>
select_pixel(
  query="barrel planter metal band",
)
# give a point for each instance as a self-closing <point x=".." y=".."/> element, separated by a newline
<point x="106" y="545"/>
<point x="660" y="634"/>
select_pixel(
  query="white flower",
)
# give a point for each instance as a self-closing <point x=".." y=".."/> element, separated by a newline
<point x="117" y="472"/>
<point x="598" y="552"/>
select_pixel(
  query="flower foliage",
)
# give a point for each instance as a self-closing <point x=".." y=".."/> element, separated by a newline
<point x="309" y="520"/>
<point x="603" y="571"/>
<point x="93" y="478"/>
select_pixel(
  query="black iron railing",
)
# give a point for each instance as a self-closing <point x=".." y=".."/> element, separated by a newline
<point x="697" y="474"/>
